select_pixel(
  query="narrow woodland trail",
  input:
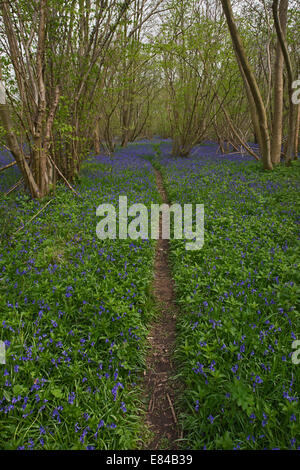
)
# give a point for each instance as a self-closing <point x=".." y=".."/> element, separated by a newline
<point x="160" y="387"/>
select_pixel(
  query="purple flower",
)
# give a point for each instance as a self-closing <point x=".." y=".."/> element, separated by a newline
<point x="123" y="407"/>
<point x="55" y="414"/>
<point x="42" y="430"/>
<point x="84" y="433"/>
<point x="265" y="420"/>
<point x="115" y="389"/>
<point x="293" y="442"/>
<point x="71" y="398"/>
<point x="77" y="427"/>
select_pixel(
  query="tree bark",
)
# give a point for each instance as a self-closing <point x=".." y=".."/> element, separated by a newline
<point x="259" y="105"/>
<point x="282" y="41"/>
<point x="297" y="126"/>
<point x="276" y="141"/>
<point x="97" y="148"/>
<point x="13" y="145"/>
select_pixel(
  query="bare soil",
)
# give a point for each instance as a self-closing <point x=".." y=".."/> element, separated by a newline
<point x="159" y="386"/>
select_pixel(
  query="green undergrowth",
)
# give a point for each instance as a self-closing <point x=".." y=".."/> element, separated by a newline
<point x="74" y="312"/>
<point x="239" y="301"/>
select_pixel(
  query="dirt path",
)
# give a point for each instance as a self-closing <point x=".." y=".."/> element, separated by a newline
<point x="161" y="417"/>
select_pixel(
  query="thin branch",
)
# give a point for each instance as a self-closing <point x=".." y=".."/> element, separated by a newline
<point x="35" y="215"/>
<point x="15" y="186"/>
<point x="172" y="409"/>
<point x="8" y="166"/>
<point x="236" y="134"/>
<point x="63" y="177"/>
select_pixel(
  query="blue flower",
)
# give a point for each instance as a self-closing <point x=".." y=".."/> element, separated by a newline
<point x="71" y="398"/>
<point x="211" y="419"/>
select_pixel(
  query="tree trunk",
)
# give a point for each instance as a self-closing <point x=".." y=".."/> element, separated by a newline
<point x="297" y="126"/>
<point x="12" y="142"/>
<point x="252" y="108"/>
<point x="292" y="114"/>
<point x="97" y="148"/>
<point x="259" y="105"/>
<point x="278" y="90"/>
<point x="16" y="151"/>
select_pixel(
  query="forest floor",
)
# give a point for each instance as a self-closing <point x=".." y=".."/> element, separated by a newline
<point x="209" y="364"/>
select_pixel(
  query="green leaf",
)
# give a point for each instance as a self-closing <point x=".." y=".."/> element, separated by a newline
<point x="57" y="392"/>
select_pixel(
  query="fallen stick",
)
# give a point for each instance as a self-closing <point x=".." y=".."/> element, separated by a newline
<point x="172" y="409"/>
<point x="32" y="218"/>
<point x="8" y="166"/>
<point x="233" y="153"/>
<point x="15" y="186"/>
<point x="153" y="402"/>
<point x="153" y="405"/>
<point x="243" y="144"/>
<point x="12" y="163"/>
<point x="150" y="404"/>
<point x="63" y="177"/>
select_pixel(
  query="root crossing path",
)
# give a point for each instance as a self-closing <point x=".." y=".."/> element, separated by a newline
<point x="161" y="416"/>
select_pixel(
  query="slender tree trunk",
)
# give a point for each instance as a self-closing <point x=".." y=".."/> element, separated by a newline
<point x="16" y="150"/>
<point x="252" y="108"/>
<point x="176" y="146"/>
<point x="297" y="126"/>
<point x="259" y="105"/>
<point x="276" y="141"/>
<point x="97" y="138"/>
<point x="292" y="115"/>
<point x="12" y="142"/>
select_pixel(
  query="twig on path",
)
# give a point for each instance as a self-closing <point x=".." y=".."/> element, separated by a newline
<point x="150" y="404"/>
<point x="153" y="403"/>
<point x="35" y="215"/>
<point x="172" y="408"/>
